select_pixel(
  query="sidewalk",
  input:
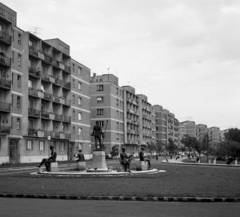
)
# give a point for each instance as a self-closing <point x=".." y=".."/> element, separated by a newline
<point x="180" y="161"/>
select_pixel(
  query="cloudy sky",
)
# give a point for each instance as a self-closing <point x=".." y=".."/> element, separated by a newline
<point x="182" y="54"/>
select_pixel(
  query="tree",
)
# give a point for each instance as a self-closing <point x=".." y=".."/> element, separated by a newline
<point x="160" y="146"/>
<point x="189" y="142"/>
<point x="229" y="149"/>
<point x="206" y="145"/>
<point x="171" y="146"/>
<point x="151" y="147"/>
<point x="115" y="151"/>
<point x="233" y="134"/>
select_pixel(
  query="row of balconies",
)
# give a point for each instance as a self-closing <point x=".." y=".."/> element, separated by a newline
<point x="48" y="78"/>
<point x="47" y="134"/>
<point x="5" y="83"/>
<point x="48" y="96"/>
<point x="48" y="59"/>
<point x="132" y="122"/>
<point x="48" y="115"/>
<point x="132" y="101"/>
<point x="133" y="142"/>
<point x="5" y="107"/>
<point x="131" y="131"/>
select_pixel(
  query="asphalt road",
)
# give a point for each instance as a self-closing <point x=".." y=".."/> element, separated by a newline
<point x="12" y="207"/>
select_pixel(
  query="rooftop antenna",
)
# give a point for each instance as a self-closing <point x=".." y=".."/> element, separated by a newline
<point x="35" y="30"/>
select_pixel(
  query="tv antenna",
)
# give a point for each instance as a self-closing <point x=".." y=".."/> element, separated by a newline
<point x="35" y="30"/>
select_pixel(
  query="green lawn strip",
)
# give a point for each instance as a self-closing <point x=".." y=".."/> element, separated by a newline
<point x="178" y="181"/>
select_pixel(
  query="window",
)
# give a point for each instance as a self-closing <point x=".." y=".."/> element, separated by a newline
<point x="19" y="59"/>
<point x="101" y="123"/>
<point x="116" y="102"/>
<point x="117" y="136"/>
<point x="117" y="114"/>
<point x="41" y="145"/>
<point x="19" y="39"/>
<point x="13" y="35"/>
<point x="19" y="80"/>
<point x="79" y="131"/>
<point x="79" y="116"/>
<point x="29" y="145"/>
<point x="99" y="87"/>
<point x="99" y="111"/>
<point x="79" y="86"/>
<point x="79" y="71"/>
<point x="73" y="99"/>
<point x="100" y="99"/>
<point x="116" y="90"/>
<point x="73" y="67"/>
<point x="73" y="83"/>
<point x="73" y="130"/>
<point x="73" y="115"/>
<point x="30" y="43"/>
<point x="117" y="125"/>
<point x="79" y="101"/>
<point x="18" y="123"/>
<point x="18" y="101"/>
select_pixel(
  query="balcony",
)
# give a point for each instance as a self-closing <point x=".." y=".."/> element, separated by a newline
<point x="67" y="68"/>
<point x="5" y="61"/>
<point x="66" y="119"/>
<point x="56" y="134"/>
<point x="67" y="102"/>
<point x="56" y="63"/>
<point x="34" y="112"/>
<point x="5" y="38"/>
<point x="45" y="77"/>
<point x="33" y="92"/>
<point x="33" y="51"/>
<point x="67" y="135"/>
<point x="47" y="133"/>
<point x="57" y="117"/>
<point x="47" y="58"/>
<point x="44" y="114"/>
<point x="5" y="130"/>
<point x="32" y="132"/>
<point x="34" y="72"/>
<point x="56" y="99"/>
<point x="47" y="96"/>
<point x="5" y="107"/>
<point x="67" y="84"/>
<point x="59" y="82"/>
<point x="5" y="83"/>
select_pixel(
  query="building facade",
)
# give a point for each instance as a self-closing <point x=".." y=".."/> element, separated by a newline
<point x="201" y="131"/>
<point x="36" y="95"/>
<point x="107" y="108"/>
<point x="187" y="128"/>
<point x="214" y="134"/>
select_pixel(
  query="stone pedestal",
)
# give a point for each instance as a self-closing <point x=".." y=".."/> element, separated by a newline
<point x="142" y="166"/>
<point x="81" y="165"/>
<point x="54" y="167"/>
<point x="99" y="160"/>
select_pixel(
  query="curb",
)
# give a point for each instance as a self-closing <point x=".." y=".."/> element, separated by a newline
<point x="124" y="198"/>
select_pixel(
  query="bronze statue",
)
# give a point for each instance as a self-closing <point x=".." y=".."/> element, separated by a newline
<point x="97" y="133"/>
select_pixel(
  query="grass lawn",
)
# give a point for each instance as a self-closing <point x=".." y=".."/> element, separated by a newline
<point x="179" y="180"/>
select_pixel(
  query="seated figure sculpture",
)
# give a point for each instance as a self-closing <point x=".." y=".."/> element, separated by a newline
<point x="47" y="161"/>
<point x="142" y="158"/>
<point x="125" y="160"/>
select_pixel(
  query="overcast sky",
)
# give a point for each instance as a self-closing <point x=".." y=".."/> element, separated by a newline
<point x="182" y="54"/>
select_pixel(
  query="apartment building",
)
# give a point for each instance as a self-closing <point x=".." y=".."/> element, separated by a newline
<point x="161" y="124"/>
<point x="201" y="131"/>
<point x="36" y="96"/>
<point x="81" y="114"/>
<point x="107" y="108"/>
<point x="187" y="128"/>
<point x="214" y="134"/>
<point x="145" y="124"/>
<point x="131" y="120"/>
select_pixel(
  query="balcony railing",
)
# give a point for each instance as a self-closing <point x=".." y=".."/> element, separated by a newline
<point x="67" y="135"/>
<point x="58" y="117"/>
<point x="6" y="61"/>
<point x="67" y="101"/>
<point x="47" y="133"/>
<point x="33" y="112"/>
<point x="45" y="77"/>
<point x="56" y="134"/>
<point x="56" y="63"/>
<point x="6" y="83"/>
<point x="33" y="51"/>
<point x="32" y="132"/>
<point x="47" y="58"/>
<point x="5" y="107"/>
<point x="47" y="96"/>
<point x="5" y="37"/>
<point x="67" y="119"/>
<point x="55" y="99"/>
<point x="45" y="114"/>
<point x="34" y="71"/>
<point x="5" y="129"/>
<point x="67" y="68"/>
<point x="59" y="81"/>
<point x="67" y="84"/>
<point x="33" y="92"/>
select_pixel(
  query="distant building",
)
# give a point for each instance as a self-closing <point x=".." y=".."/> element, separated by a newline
<point x="107" y="108"/>
<point x="201" y="131"/>
<point x="214" y="134"/>
<point x="187" y="128"/>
